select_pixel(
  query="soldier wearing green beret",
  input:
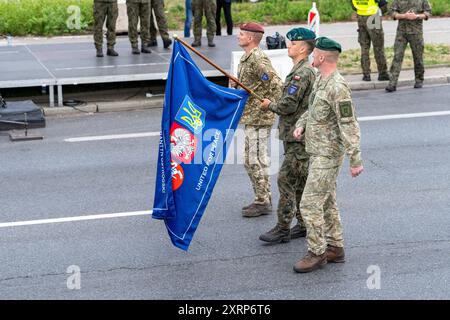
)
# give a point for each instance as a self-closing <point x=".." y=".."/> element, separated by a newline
<point x="330" y="130"/>
<point x="290" y="107"/>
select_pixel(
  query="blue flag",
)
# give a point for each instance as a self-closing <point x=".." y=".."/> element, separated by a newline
<point x="198" y="122"/>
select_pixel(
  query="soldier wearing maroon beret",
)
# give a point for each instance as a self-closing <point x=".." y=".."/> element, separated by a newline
<point x="256" y="72"/>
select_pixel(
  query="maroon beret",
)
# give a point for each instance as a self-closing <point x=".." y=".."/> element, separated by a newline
<point x="253" y="27"/>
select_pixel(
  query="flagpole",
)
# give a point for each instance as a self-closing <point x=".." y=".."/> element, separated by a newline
<point x="218" y="68"/>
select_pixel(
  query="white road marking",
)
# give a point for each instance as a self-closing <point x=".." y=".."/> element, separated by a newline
<point x="77" y="218"/>
<point x="114" y="136"/>
<point x="360" y="119"/>
<point x="405" y="116"/>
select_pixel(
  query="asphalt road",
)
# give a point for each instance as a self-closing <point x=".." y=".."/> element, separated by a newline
<point x="396" y="216"/>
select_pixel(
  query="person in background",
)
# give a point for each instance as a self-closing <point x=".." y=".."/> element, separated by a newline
<point x="226" y="5"/>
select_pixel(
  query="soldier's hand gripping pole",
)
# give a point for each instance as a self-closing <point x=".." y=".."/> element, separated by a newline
<point x="218" y="68"/>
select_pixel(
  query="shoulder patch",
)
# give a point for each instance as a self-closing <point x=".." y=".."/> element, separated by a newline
<point x="297" y="77"/>
<point x="292" y="89"/>
<point x="265" y="77"/>
<point x="345" y="109"/>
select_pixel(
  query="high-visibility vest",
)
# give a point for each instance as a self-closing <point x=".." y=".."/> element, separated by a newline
<point x="365" y="7"/>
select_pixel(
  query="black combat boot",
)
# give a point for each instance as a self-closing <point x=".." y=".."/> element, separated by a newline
<point x="298" y="232"/>
<point x="390" y="88"/>
<point x="99" y="52"/>
<point x="111" y="52"/>
<point x="418" y="85"/>
<point x="145" y="49"/>
<point x="211" y="43"/>
<point x="276" y="235"/>
<point x="167" y="43"/>
<point x="383" y="77"/>
<point x="196" y="43"/>
<point x="153" y="43"/>
<point x="135" y="50"/>
<point x="366" y="77"/>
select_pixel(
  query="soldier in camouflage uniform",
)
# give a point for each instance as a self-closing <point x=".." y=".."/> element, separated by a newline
<point x="371" y="32"/>
<point x="255" y="71"/>
<point x="105" y="9"/>
<point x="293" y="103"/>
<point x="209" y="8"/>
<point x="157" y="11"/>
<point x="410" y="14"/>
<point x="331" y="131"/>
<point x="139" y="10"/>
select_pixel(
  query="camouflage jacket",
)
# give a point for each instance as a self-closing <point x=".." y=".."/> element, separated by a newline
<point x="330" y="124"/>
<point x="294" y="98"/>
<point x="256" y="72"/>
<point x="416" y="6"/>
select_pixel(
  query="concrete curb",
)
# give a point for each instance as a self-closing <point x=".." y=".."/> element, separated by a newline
<point x="157" y="102"/>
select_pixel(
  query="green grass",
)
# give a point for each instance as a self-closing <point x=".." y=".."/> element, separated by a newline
<point x="435" y="54"/>
<point x="48" y="17"/>
<point x="42" y="17"/>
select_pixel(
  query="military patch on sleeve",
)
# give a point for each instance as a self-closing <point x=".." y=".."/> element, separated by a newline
<point x="265" y="77"/>
<point x="345" y="109"/>
<point x="292" y="89"/>
<point x="296" y="77"/>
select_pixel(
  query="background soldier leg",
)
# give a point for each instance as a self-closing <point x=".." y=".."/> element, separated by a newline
<point x="333" y="225"/>
<point x="153" y="31"/>
<point x="133" y="16"/>
<point x="219" y="6"/>
<point x="144" y="14"/>
<point x="100" y="12"/>
<point x="158" y="10"/>
<point x="210" y="12"/>
<point x="417" y="47"/>
<point x="399" y="52"/>
<point x="364" y="41"/>
<point x="377" y="37"/>
<point x="113" y="13"/>
<point x="197" y="12"/>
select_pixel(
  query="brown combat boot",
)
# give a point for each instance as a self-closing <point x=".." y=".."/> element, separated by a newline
<point x="335" y="254"/>
<point x="310" y="262"/>
<point x="256" y="210"/>
<point x="298" y="232"/>
<point x="276" y="235"/>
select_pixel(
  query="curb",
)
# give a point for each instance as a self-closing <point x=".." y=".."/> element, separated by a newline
<point x="376" y="85"/>
<point x="156" y="103"/>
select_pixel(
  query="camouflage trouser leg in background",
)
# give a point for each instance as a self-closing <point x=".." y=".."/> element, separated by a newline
<point x="417" y="47"/>
<point x="366" y="37"/>
<point x="291" y="182"/>
<point x="257" y="161"/>
<point x="138" y="12"/>
<point x="110" y="12"/>
<point x="161" y="21"/>
<point x="318" y="205"/>
<point x="209" y="8"/>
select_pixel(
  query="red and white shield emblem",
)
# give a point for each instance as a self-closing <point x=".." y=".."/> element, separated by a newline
<point x="177" y="175"/>
<point x="183" y="144"/>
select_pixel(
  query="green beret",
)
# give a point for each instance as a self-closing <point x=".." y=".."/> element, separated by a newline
<point x="327" y="44"/>
<point x="301" y="34"/>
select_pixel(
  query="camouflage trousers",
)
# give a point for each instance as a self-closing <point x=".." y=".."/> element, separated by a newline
<point x="209" y="8"/>
<point x="318" y="205"/>
<point x="105" y="11"/>
<point x="291" y="182"/>
<point x="161" y="21"/>
<point x="257" y="161"/>
<point x="417" y="47"/>
<point x="368" y="35"/>
<point x="138" y="12"/>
